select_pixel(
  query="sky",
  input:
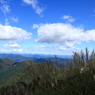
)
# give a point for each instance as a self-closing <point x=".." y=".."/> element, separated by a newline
<point x="57" y="27"/>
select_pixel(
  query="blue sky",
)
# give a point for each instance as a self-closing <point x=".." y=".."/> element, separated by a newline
<point x="56" y="27"/>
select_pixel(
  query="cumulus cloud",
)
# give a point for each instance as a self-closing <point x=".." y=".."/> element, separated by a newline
<point x="35" y="26"/>
<point x="13" y="33"/>
<point x="69" y="18"/>
<point x="64" y="34"/>
<point x="13" y="45"/>
<point x="35" y="6"/>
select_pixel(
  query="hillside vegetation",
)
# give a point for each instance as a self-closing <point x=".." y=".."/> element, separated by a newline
<point x="9" y="68"/>
<point x="77" y="78"/>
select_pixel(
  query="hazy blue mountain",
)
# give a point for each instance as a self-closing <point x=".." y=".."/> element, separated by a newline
<point x="38" y="55"/>
<point x="38" y="60"/>
<point x="18" y="58"/>
<point x="3" y="55"/>
<point x="47" y="56"/>
<point x="64" y="56"/>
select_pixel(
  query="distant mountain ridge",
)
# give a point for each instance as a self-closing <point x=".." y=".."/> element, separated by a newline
<point x="18" y="58"/>
<point x="46" y="56"/>
<point x="10" y="67"/>
<point x="3" y="55"/>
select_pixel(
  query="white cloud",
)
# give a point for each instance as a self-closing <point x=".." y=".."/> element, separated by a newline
<point x="12" y="41"/>
<point x="5" y="50"/>
<point x="35" y="26"/>
<point x="35" y="6"/>
<point x="7" y="21"/>
<point x="2" y="1"/>
<point x="69" y="18"/>
<point x="15" y="19"/>
<point x="64" y="34"/>
<point x="13" y="33"/>
<point x="11" y="50"/>
<point x="62" y="48"/>
<point x="13" y="45"/>
<point x="5" y="8"/>
<point x="17" y="50"/>
<point x="40" y="48"/>
<point x="55" y="50"/>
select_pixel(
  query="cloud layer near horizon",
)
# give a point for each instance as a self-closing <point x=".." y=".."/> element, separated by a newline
<point x="55" y="50"/>
<point x="64" y="34"/>
<point x="13" y="45"/>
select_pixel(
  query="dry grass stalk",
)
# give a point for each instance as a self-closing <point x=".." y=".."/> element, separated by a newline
<point x="94" y="77"/>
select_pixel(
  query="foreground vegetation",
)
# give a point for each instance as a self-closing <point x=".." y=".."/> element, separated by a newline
<point x="77" y="78"/>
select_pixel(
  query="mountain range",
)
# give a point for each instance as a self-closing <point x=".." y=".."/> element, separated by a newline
<point x="3" y="55"/>
<point x="11" y="64"/>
